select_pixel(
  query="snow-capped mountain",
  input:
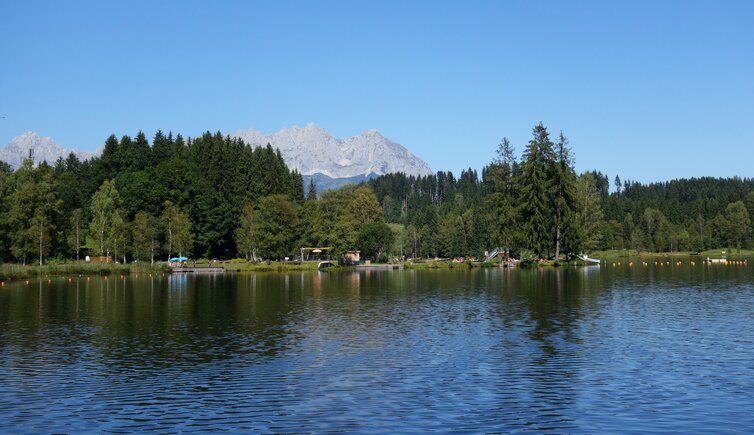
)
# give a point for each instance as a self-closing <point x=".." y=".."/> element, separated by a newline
<point x="44" y="149"/>
<point x="313" y="150"/>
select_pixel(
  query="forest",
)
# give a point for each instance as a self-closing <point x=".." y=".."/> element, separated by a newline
<point x="214" y="196"/>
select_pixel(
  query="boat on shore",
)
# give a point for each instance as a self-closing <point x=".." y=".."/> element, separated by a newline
<point x="586" y="259"/>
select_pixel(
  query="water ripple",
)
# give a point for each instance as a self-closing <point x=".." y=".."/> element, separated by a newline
<point x="450" y="351"/>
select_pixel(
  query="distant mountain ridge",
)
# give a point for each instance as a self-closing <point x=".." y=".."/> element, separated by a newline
<point x="44" y="149"/>
<point x="313" y="150"/>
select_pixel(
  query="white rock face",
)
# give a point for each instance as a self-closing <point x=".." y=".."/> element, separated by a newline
<point x="45" y="148"/>
<point x="313" y="150"/>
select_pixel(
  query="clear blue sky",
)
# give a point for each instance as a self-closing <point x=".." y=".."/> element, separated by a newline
<point x="650" y="90"/>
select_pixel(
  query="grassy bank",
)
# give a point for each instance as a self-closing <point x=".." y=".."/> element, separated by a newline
<point x="273" y="266"/>
<point x="448" y="264"/>
<point x="631" y="254"/>
<point x="17" y="271"/>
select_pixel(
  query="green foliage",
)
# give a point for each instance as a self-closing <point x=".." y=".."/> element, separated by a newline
<point x="374" y="239"/>
<point x="733" y="225"/>
<point x="144" y="236"/>
<point x="179" y="237"/>
<point x="567" y="229"/>
<point x="590" y="218"/>
<point x="339" y="216"/>
<point x="274" y="226"/>
<point x="245" y="236"/>
<point x="213" y="194"/>
<point x="76" y="234"/>
<point x="33" y="208"/>
<point x="522" y="206"/>
<point x="105" y="216"/>
<point x="537" y="185"/>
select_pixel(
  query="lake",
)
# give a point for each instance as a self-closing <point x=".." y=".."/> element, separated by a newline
<point x="592" y="349"/>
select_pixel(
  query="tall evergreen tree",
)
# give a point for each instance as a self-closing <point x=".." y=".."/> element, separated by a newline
<point x="536" y="189"/>
<point x="590" y="217"/>
<point x="311" y="192"/>
<point x="563" y="197"/>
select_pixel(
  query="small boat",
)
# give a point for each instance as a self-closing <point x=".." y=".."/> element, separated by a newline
<point x="588" y="260"/>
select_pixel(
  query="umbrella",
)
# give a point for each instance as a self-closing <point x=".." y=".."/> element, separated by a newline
<point x="179" y="259"/>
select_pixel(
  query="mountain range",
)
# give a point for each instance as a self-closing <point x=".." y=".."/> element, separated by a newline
<point x="43" y="149"/>
<point x="313" y="151"/>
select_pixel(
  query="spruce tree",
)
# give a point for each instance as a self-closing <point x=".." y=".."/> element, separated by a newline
<point x="536" y="188"/>
<point x="564" y="179"/>
<point x="311" y="193"/>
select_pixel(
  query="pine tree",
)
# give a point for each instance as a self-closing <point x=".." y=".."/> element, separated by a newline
<point x="311" y="193"/>
<point x="589" y="210"/>
<point x="563" y="198"/>
<point x="536" y="189"/>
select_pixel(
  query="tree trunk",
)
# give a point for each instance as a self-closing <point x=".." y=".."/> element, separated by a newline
<point x="41" y="228"/>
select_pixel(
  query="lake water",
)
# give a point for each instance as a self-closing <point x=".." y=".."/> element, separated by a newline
<point x="597" y="349"/>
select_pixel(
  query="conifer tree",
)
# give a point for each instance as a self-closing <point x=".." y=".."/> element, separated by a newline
<point x="536" y="188"/>
<point x="563" y="196"/>
<point x="311" y="193"/>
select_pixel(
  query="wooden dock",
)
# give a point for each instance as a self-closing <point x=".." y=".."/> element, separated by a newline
<point x="197" y="270"/>
<point x="379" y="266"/>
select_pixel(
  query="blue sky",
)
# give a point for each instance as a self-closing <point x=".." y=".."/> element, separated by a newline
<point x="648" y="90"/>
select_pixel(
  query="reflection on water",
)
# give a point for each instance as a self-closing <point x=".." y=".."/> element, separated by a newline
<point x="578" y="349"/>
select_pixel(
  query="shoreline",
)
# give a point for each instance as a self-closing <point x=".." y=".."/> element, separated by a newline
<point x="10" y="272"/>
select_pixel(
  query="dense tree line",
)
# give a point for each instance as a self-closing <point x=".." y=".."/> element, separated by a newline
<point x="539" y="206"/>
<point x="688" y="214"/>
<point x="216" y="197"/>
<point x="139" y="200"/>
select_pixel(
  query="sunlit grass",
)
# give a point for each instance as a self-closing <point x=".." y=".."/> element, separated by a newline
<point x="28" y="271"/>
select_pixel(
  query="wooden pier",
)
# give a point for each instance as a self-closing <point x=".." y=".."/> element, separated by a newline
<point x="379" y="266"/>
<point x="197" y="270"/>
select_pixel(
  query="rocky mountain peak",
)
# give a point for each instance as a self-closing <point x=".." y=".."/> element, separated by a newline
<point x="44" y="148"/>
<point x="313" y="150"/>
